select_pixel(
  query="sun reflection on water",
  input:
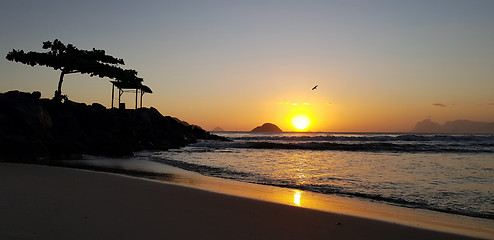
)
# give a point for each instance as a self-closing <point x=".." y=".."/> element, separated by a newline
<point x="296" y="197"/>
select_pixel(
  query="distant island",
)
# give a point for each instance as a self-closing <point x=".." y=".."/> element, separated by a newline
<point x="457" y="126"/>
<point x="218" y="129"/>
<point x="267" y="127"/>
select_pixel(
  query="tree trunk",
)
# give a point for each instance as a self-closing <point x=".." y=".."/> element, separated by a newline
<point x="58" y="93"/>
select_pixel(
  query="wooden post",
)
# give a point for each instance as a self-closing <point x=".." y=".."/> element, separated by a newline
<point x="142" y="93"/>
<point x="112" y="94"/>
<point x="137" y="91"/>
<point x="120" y="92"/>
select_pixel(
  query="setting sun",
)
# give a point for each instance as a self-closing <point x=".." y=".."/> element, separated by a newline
<point x="301" y="122"/>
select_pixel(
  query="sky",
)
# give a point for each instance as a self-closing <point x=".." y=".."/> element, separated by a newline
<point x="380" y="66"/>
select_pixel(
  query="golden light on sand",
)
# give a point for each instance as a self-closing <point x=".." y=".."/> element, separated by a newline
<point x="296" y="197"/>
<point x="300" y="122"/>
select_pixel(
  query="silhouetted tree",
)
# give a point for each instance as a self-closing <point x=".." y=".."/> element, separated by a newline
<point x="69" y="59"/>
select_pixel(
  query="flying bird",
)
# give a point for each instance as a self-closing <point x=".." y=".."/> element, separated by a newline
<point x="314" y="88"/>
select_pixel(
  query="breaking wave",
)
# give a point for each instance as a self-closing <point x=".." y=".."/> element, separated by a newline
<point x="377" y="143"/>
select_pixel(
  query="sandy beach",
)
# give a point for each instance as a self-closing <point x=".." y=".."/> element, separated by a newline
<point x="42" y="202"/>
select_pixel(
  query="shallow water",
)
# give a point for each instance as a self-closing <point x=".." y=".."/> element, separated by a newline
<point x="448" y="173"/>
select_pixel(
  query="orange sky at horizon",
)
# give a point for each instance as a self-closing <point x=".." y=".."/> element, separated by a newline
<point x="328" y="109"/>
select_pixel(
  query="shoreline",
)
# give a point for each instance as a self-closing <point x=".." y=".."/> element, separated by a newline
<point x="354" y="206"/>
<point x="71" y="197"/>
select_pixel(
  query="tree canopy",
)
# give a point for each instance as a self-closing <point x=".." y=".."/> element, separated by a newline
<point x="70" y="59"/>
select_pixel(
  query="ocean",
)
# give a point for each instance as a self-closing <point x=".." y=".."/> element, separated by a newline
<point x="445" y="173"/>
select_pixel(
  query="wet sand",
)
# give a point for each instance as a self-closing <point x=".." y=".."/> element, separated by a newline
<point x="41" y="202"/>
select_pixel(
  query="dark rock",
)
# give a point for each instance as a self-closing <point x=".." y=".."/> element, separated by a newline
<point x="36" y="94"/>
<point x="267" y="127"/>
<point x="98" y="106"/>
<point x="32" y="129"/>
<point x="203" y="134"/>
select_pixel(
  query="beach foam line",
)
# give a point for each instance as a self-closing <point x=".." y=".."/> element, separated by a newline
<point x="42" y="202"/>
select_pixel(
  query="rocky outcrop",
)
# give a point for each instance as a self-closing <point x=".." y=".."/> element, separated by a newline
<point x="33" y="129"/>
<point x="267" y="127"/>
<point x="457" y="126"/>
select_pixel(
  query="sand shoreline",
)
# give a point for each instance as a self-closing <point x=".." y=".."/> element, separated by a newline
<point x="41" y="202"/>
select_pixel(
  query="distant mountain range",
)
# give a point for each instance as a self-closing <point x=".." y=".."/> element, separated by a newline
<point x="457" y="126"/>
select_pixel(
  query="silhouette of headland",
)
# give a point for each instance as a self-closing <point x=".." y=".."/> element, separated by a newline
<point x="34" y="129"/>
<point x="267" y="127"/>
<point x="457" y="126"/>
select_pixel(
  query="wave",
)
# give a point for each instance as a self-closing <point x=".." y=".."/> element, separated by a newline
<point x="375" y="147"/>
<point x="454" y="143"/>
<point x="203" y="169"/>
<point x="329" y="189"/>
<point x="319" y="188"/>
<point x="369" y="138"/>
<point x="408" y="147"/>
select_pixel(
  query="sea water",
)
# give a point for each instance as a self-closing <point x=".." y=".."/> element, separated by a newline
<point x="447" y="173"/>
